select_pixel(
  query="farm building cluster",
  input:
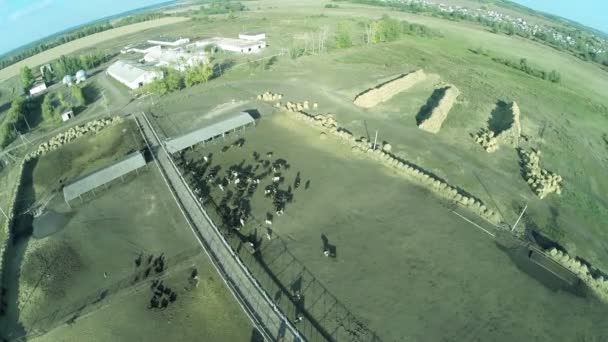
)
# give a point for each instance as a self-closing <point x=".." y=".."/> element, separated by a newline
<point x="179" y="54"/>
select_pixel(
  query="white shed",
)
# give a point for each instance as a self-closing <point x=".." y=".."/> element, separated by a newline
<point x="254" y="36"/>
<point x="166" y="41"/>
<point x="67" y="115"/>
<point x="38" y="88"/>
<point x="133" y="76"/>
<point x="232" y="44"/>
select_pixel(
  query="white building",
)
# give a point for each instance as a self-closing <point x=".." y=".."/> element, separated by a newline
<point x="166" y="41"/>
<point x="65" y="116"/>
<point x="81" y="76"/>
<point x="177" y="59"/>
<point x="253" y="36"/>
<point x="231" y="44"/>
<point x="38" y="88"/>
<point x="131" y="75"/>
<point x="141" y="48"/>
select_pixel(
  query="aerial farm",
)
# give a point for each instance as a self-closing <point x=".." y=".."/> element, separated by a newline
<point x="304" y="172"/>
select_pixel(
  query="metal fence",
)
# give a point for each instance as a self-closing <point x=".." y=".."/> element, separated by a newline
<point x="256" y="302"/>
<point x="282" y="274"/>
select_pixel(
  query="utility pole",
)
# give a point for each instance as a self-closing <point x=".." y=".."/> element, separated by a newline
<point x="3" y="213"/>
<point x="375" y="140"/>
<point x="519" y="218"/>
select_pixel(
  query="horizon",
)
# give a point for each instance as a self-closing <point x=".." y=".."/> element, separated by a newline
<point x="19" y="15"/>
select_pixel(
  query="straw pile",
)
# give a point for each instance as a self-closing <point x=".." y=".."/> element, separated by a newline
<point x="269" y="96"/>
<point x="541" y="181"/>
<point x="383" y="92"/>
<point x="597" y="284"/>
<point x="433" y="123"/>
<point x="73" y="133"/>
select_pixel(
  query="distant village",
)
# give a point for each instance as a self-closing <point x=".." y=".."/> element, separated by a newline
<point x="520" y="23"/>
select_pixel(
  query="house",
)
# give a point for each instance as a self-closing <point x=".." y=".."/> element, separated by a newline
<point x="169" y="41"/>
<point x="177" y="59"/>
<point x="231" y="44"/>
<point x="67" y="115"/>
<point x="253" y="36"/>
<point x="38" y="88"/>
<point x="132" y="75"/>
<point x="141" y="48"/>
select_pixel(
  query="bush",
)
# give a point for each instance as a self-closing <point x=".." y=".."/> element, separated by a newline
<point x="331" y="6"/>
<point x="48" y="114"/>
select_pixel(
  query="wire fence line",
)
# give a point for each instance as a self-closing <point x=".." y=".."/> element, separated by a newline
<point x="282" y="274"/>
<point x="68" y="313"/>
<point x="263" y="312"/>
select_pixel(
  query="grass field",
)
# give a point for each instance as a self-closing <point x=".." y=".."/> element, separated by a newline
<point x="406" y="266"/>
<point x="83" y="43"/>
<point x="568" y="115"/>
<point x="64" y="274"/>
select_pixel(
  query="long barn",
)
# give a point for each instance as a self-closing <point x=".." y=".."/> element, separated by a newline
<point x="103" y="176"/>
<point x="213" y="131"/>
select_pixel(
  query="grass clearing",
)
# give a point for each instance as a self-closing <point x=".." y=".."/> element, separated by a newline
<point x="395" y="241"/>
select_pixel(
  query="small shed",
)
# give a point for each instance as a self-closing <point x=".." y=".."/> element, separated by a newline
<point x="38" y="88"/>
<point x="67" y="115"/>
<point x="253" y="36"/>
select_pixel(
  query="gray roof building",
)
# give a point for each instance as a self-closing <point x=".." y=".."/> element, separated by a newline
<point x="100" y="177"/>
<point x="209" y="132"/>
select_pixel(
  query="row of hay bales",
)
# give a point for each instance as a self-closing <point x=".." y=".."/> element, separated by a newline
<point x="269" y="96"/>
<point x="541" y="181"/>
<point x="490" y="141"/>
<point x="296" y="106"/>
<point x="487" y="140"/>
<point x="8" y="223"/>
<point x="94" y="126"/>
<point x="433" y="123"/>
<point x="598" y="284"/>
<point x="329" y="126"/>
<point x="387" y="90"/>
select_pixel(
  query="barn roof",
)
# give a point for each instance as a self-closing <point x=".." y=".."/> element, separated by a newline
<point x="208" y="132"/>
<point x="100" y="177"/>
<point x="125" y="71"/>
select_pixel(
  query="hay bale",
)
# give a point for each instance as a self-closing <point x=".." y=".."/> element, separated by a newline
<point x="387" y="90"/>
<point x="433" y="123"/>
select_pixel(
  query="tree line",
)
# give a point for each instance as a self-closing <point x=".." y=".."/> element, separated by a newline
<point x="24" y="53"/>
<point x="174" y="80"/>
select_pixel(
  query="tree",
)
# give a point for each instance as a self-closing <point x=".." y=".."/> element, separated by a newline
<point x="343" y="38"/>
<point x="78" y="95"/>
<point x="173" y="79"/>
<point x="198" y="74"/>
<point x="27" y="78"/>
<point x="48" y="114"/>
<point x="385" y="30"/>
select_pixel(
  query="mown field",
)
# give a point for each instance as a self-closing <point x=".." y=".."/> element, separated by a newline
<point x="83" y="43"/>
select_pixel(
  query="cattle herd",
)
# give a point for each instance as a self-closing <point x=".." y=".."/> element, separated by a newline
<point x="237" y="184"/>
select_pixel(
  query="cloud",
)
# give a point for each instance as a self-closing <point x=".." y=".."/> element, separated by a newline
<point x="25" y="11"/>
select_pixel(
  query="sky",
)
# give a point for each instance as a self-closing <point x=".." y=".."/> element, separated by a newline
<point x="592" y="13"/>
<point x="24" y="21"/>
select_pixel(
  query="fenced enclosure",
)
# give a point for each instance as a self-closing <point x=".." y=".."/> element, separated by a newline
<point x="70" y="312"/>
